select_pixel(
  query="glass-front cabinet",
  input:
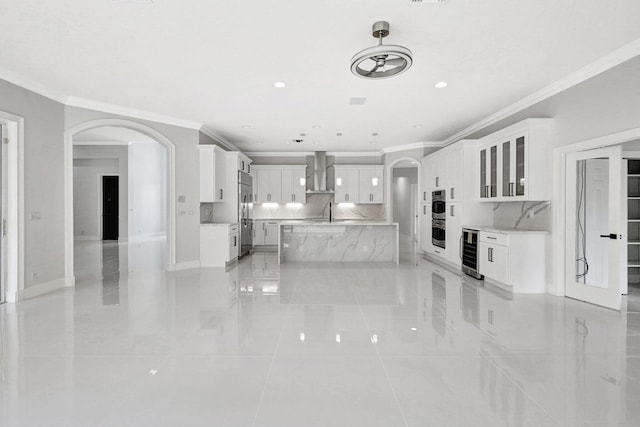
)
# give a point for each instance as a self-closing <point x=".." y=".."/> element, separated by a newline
<point x="511" y="168"/>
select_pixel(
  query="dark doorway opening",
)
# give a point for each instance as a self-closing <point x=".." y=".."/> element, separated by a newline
<point x="110" y="207"/>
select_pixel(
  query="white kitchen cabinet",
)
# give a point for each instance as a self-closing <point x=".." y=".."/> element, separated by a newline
<point x="453" y="233"/>
<point x="271" y="232"/>
<point x="258" y="232"/>
<point x="279" y="184"/>
<point x="218" y="244"/>
<point x="370" y="188"/>
<point x="294" y="184"/>
<point x="347" y="184"/>
<point x="425" y="227"/>
<point x="212" y="173"/>
<point x="359" y="183"/>
<point x="509" y="170"/>
<point x="513" y="260"/>
<point x="267" y="185"/>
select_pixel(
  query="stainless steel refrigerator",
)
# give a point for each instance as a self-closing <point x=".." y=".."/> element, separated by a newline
<point x="245" y="193"/>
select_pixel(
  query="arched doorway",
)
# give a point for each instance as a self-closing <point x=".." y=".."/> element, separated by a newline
<point x="403" y="189"/>
<point x="68" y="176"/>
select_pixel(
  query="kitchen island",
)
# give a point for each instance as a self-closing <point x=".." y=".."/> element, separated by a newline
<point x="342" y="241"/>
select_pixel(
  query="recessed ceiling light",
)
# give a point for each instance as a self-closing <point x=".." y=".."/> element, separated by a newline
<point x="280" y="85"/>
<point x="316" y="127"/>
<point x="440" y="85"/>
<point x="417" y="126"/>
<point x="338" y="134"/>
<point x="260" y="142"/>
<point x="245" y="126"/>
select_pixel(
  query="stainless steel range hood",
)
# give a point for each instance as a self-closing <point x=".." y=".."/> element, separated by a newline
<point x="320" y="174"/>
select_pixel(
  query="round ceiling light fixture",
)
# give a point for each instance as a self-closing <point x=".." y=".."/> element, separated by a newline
<point x="381" y="61"/>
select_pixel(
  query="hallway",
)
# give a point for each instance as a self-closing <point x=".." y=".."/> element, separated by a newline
<point x="309" y="344"/>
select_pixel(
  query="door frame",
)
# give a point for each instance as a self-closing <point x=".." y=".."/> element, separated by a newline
<point x="611" y="296"/>
<point x="101" y="202"/>
<point x="15" y="210"/>
<point x="388" y="184"/>
<point x="558" y="257"/>
<point x="68" y="187"/>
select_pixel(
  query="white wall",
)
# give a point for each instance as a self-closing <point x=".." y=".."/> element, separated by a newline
<point x="147" y="190"/>
<point x="43" y="181"/>
<point x="89" y="164"/>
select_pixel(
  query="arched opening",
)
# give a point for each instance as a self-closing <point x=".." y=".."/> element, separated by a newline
<point x="403" y="189"/>
<point x="130" y="218"/>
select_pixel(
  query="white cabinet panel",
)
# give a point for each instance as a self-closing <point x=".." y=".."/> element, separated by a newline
<point x="347" y="184"/>
<point x="212" y="173"/>
<point x="294" y="185"/>
<point x="279" y="184"/>
<point x="271" y="233"/>
<point x="453" y="233"/>
<point x="258" y="233"/>
<point x="509" y="170"/>
<point x="371" y="185"/>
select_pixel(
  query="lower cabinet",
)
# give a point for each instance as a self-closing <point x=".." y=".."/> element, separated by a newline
<point x="218" y="244"/>
<point x="514" y="260"/>
<point x="265" y="233"/>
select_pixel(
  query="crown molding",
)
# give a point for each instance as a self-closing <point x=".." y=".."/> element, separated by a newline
<point x="32" y="86"/>
<point x="413" y="146"/>
<point x="278" y="153"/>
<point x="617" y="57"/>
<point x="74" y="101"/>
<point x="217" y="138"/>
<point x="354" y="153"/>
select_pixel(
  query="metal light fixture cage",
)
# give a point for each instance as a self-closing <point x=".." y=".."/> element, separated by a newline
<point x="381" y="61"/>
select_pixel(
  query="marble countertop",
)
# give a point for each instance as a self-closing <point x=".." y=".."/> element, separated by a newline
<point x="504" y="230"/>
<point x="338" y="222"/>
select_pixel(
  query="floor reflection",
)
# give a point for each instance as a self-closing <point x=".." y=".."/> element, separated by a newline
<point x="267" y="344"/>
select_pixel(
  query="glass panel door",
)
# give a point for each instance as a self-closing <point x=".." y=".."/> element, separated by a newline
<point x="506" y="169"/>
<point x="520" y="165"/>
<point x="483" y="173"/>
<point x="494" y="171"/>
<point x="594" y="227"/>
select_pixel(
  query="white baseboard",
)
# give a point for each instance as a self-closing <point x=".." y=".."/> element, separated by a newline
<point x="44" y="288"/>
<point x="86" y="237"/>
<point x="186" y="265"/>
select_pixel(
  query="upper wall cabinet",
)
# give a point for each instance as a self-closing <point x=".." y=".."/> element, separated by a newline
<point x="359" y="183"/>
<point x="279" y="184"/>
<point x="212" y="173"/>
<point x="443" y="171"/>
<point x="515" y="163"/>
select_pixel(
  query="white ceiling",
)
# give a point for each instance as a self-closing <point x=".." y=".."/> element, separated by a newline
<point x="215" y="62"/>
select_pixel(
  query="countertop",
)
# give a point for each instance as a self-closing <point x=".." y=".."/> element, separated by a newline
<point x="218" y="224"/>
<point x="504" y="230"/>
<point x="335" y="222"/>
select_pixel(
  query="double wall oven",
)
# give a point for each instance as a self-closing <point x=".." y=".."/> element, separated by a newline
<point x="438" y="218"/>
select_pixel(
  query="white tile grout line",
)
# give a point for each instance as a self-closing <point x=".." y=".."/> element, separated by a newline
<point x="384" y="367"/>
<point x="273" y="359"/>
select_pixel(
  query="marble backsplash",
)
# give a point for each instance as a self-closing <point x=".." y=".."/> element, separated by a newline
<point x="523" y="215"/>
<point x="317" y="206"/>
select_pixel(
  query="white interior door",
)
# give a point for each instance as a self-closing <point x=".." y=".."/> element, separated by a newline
<point x="595" y="240"/>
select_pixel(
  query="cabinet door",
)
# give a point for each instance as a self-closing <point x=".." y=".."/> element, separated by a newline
<point x="493" y="171"/>
<point x="520" y="165"/>
<point x="271" y="233"/>
<point x="508" y="176"/>
<point x="453" y="174"/>
<point x="425" y="180"/>
<point x="206" y="159"/>
<point x="261" y="185"/>
<point x="233" y="246"/>
<point x="220" y="174"/>
<point x="258" y="233"/>
<point x="494" y="262"/>
<point x="287" y="186"/>
<point x="371" y="187"/>
<point x="454" y="232"/>
<point x="347" y="185"/>
<point x="275" y="186"/>
<point x="425" y="227"/>
<point x="299" y="185"/>
<point x="484" y="161"/>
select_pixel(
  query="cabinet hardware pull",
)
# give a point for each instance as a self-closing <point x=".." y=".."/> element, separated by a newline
<point x="492" y="238"/>
<point x="221" y="194"/>
<point x="424" y="210"/>
<point x="460" y="249"/>
<point x="511" y="188"/>
<point x="424" y="196"/>
<point x="453" y="193"/>
<point x="452" y="212"/>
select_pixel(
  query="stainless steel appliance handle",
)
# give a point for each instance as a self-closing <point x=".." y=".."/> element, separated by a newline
<point x="461" y="246"/>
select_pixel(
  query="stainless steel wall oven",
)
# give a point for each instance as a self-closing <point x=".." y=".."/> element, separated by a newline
<point x="438" y="218"/>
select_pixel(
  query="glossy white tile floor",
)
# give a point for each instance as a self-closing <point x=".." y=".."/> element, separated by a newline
<point x="309" y="345"/>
